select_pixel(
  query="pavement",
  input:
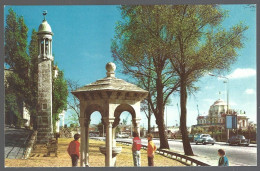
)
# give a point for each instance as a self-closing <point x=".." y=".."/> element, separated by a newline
<point x="237" y="155"/>
<point x="15" y="142"/>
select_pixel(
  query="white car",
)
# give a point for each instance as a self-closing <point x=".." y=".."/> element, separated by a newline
<point x="204" y="139"/>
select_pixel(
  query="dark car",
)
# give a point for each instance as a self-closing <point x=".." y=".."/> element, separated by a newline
<point x="238" y="140"/>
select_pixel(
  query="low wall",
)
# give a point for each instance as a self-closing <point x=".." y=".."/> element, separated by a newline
<point x="30" y="145"/>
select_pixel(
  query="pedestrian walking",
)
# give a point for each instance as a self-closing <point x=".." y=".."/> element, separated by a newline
<point x="136" y="147"/>
<point x="223" y="160"/>
<point x="73" y="150"/>
<point x="150" y="150"/>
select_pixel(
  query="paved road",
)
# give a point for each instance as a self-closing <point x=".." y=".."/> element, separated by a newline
<point x="15" y="142"/>
<point x="237" y="155"/>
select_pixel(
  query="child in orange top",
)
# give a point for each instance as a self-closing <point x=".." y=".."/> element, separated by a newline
<point x="150" y="150"/>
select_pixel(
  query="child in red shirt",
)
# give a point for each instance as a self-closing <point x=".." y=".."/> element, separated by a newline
<point x="73" y="150"/>
<point x="136" y="147"/>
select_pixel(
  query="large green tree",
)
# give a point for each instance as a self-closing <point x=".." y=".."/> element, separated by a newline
<point x="17" y="60"/>
<point x="139" y="46"/>
<point x="147" y="83"/>
<point x="189" y="36"/>
<point x="198" y="44"/>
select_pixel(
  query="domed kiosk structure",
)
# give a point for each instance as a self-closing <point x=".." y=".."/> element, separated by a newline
<point x="110" y="96"/>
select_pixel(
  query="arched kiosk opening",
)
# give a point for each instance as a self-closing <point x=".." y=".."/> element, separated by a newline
<point x="110" y="96"/>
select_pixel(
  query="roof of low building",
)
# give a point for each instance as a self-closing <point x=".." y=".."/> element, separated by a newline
<point x="110" y="83"/>
<point x="219" y="102"/>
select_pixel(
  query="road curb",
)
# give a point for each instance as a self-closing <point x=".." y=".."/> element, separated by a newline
<point x="30" y="145"/>
<point x="182" y="158"/>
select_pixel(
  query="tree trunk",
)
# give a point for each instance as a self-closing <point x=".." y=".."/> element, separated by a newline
<point x="163" y="138"/>
<point x="149" y="124"/>
<point x="183" y="100"/>
<point x="160" y="115"/>
<point x="149" y="118"/>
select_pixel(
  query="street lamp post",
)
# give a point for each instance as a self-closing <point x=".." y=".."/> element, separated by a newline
<point x="227" y="91"/>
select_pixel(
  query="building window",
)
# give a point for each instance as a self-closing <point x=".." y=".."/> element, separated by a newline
<point x="243" y="123"/>
<point x="44" y="106"/>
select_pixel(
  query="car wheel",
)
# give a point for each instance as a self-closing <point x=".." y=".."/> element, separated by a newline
<point x="204" y="143"/>
<point x="247" y="145"/>
<point x="229" y="144"/>
<point x="212" y="143"/>
<point x="196" y="143"/>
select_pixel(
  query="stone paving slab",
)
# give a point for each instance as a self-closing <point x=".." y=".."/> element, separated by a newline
<point x="15" y="142"/>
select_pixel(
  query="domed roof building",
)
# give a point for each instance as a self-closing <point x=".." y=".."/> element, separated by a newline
<point x="217" y="114"/>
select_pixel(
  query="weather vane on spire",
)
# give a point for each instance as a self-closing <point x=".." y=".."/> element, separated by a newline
<point x="44" y="14"/>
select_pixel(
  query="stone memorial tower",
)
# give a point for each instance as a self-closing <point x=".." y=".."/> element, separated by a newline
<point x="45" y="58"/>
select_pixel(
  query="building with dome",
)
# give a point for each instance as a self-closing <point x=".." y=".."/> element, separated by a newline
<point x="217" y="114"/>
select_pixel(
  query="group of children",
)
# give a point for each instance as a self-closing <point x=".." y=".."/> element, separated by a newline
<point x="136" y="147"/>
<point x="73" y="151"/>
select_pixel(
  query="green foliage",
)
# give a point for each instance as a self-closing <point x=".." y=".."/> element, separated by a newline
<point x="117" y="129"/>
<point x="73" y="119"/>
<point x="197" y="130"/>
<point x="16" y="59"/>
<point x="174" y="46"/>
<point x="15" y="52"/>
<point x="11" y="105"/>
<point x="198" y="44"/>
<point x="33" y="53"/>
<point x="137" y="48"/>
<point x="59" y="97"/>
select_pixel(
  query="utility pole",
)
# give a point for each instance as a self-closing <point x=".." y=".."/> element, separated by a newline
<point x="198" y="110"/>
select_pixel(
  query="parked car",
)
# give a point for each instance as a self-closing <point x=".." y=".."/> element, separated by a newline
<point x="204" y="139"/>
<point x="238" y="140"/>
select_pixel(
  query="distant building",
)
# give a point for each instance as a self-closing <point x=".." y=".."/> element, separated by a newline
<point x="217" y="114"/>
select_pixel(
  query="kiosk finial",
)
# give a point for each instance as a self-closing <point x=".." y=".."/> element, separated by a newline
<point x="44" y="13"/>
